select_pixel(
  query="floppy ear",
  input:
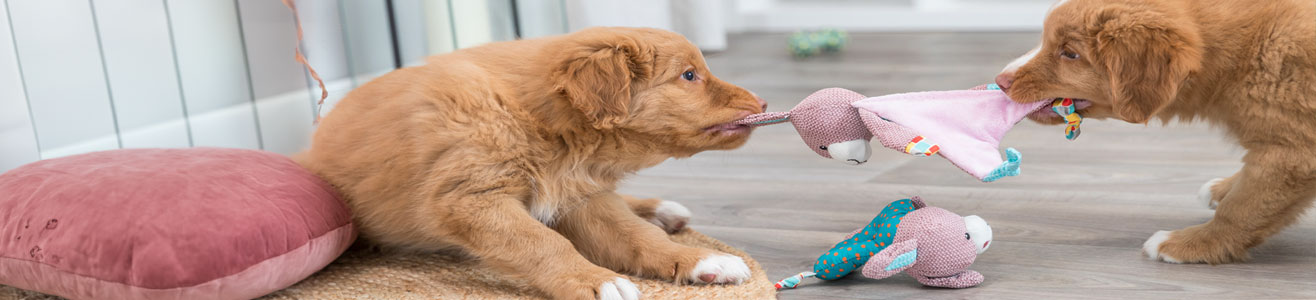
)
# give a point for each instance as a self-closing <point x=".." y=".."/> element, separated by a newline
<point x="892" y="260"/>
<point x="598" y="72"/>
<point x="1147" y="55"/>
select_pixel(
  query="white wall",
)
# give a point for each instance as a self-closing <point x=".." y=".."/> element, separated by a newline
<point x="80" y="76"/>
<point x="703" y="22"/>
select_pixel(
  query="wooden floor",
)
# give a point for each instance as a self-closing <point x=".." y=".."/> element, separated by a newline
<point x="1070" y="226"/>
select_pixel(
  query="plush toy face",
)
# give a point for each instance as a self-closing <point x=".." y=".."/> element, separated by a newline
<point x="827" y="123"/>
<point x="978" y="232"/>
<point x="834" y="131"/>
<point x="946" y="242"/>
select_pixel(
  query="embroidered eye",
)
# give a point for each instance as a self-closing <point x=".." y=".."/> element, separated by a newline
<point x="1068" y="54"/>
<point x="688" y="75"/>
<point x="966" y="236"/>
<point x="822" y="147"/>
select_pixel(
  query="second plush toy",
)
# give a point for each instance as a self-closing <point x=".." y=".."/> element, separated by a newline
<point x="933" y="245"/>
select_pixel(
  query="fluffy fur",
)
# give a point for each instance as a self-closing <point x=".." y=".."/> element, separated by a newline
<point x="511" y="152"/>
<point x="1246" y="66"/>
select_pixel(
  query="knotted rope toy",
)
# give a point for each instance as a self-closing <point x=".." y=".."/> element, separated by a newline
<point x="964" y="126"/>
<point x="933" y="245"/>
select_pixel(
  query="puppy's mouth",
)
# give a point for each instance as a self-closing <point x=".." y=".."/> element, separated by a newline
<point x="730" y="127"/>
<point x="1046" y="115"/>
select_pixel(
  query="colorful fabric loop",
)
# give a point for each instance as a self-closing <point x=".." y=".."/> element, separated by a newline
<point x="920" y="146"/>
<point x="1065" y="108"/>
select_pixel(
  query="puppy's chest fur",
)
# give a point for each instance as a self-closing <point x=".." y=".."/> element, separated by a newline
<point x="555" y="193"/>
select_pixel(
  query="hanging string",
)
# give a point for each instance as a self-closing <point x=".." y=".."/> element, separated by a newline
<point x="302" y="59"/>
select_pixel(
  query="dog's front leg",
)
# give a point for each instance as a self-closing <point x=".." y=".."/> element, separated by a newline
<point x="607" y="232"/>
<point x="1271" y="191"/>
<point x="501" y="233"/>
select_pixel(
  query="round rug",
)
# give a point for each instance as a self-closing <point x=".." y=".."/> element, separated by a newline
<point x="367" y="274"/>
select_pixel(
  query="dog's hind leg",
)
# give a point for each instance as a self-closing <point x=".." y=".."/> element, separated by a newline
<point x="1215" y="190"/>
<point x="668" y="215"/>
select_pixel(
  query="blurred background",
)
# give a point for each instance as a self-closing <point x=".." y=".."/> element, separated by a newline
<point x="87" y="75"/>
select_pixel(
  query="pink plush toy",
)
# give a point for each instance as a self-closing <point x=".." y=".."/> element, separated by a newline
<point x="933" y="245"/>
<point x="963" y="126"/>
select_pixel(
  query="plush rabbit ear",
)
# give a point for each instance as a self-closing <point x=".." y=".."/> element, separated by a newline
<point x="918" y="202"/>
<point x="892" y="260"/>
<point x="767" y="118"/>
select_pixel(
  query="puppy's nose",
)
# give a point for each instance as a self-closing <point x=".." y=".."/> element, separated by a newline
<point x="1004" y="80"/>
<point x="762" y="103"/>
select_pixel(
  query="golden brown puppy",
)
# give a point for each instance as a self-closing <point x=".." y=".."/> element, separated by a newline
<point x="1246" y="66"/>
<point x="512" y="151"/>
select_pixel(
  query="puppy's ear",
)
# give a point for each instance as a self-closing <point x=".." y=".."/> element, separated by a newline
<point x="1147" y="55"/>
<point x="598" y="72"/>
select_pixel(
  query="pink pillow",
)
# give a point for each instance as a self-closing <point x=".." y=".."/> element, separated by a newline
<point x="199" y="223"/>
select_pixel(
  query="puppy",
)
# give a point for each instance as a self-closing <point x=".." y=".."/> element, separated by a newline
<point x="1247" y="66"/>
<point x="511" y="152"/>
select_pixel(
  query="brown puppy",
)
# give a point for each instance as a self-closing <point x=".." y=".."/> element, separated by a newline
<point x="511" y="152"/>
<point x="1247" y="66"/>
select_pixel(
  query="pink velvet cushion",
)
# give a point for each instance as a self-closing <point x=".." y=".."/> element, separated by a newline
<point x="199" y="223"/>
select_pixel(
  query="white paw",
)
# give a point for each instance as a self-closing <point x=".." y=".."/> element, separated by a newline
<point x="720" y="268"/>
<point x="618" y="289"/>
<point x="1152" y="247"/>
<point x="1204" y="193"/>
<point x="671" y="216"/>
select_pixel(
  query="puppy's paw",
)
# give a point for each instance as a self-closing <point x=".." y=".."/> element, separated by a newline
<point x="1207" y="195"/>
<point x="618" y="289"/>
<point x="1194" y="245"/>
<point x="670" y="216"/>
<point x="1152" y="247"/>
<point x="720" y="268"/>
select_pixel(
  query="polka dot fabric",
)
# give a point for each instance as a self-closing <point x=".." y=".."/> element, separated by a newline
<point x="852" y="253"/>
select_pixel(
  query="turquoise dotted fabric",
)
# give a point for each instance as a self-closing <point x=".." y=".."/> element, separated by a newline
<point x="852" y="253"/>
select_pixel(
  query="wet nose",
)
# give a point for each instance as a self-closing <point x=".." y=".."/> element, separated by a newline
<point x="762" y="103"/>
<point x="1004" y="80"/>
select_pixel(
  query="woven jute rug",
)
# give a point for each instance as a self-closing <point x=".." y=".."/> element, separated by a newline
<point x="367" y="274"/>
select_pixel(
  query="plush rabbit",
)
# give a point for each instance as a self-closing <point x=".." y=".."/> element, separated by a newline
<point x="963" y="126"/>
<point x="933" y="245"/>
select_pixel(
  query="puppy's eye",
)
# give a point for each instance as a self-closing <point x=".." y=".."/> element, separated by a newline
<point x="1068" y="54"/>
<point x="966" y="236"/>
<point x="688" y="75"/>
<point x="822" y="147"/>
